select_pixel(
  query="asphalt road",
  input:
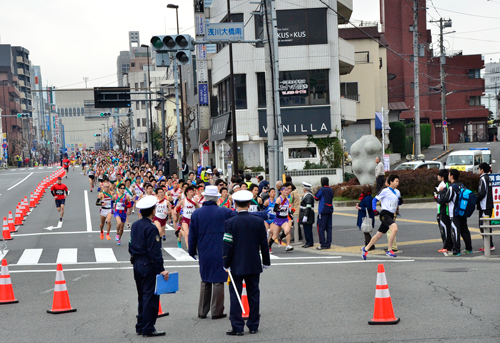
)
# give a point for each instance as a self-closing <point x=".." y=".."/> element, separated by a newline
<point x="306" y="295"/>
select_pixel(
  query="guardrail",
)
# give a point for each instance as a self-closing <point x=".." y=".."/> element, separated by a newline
<point x="486" y="235"/>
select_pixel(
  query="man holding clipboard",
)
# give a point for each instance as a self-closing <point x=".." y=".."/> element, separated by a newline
<point x="146" y="256"/>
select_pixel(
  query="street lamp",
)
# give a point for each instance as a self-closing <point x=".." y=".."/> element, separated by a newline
<point x="150" y="140"/>
<point x="176" y="7"/>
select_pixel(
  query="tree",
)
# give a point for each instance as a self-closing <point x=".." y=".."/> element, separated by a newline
<point x="122" y="135"/>
<point x="187" y="124"/>
<point x="329" y="149"/>
<point x="170" y="134"/>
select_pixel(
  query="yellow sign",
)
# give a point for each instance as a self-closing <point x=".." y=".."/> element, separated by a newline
<point x="4" y="135"/>
<point x="460" y="168"/>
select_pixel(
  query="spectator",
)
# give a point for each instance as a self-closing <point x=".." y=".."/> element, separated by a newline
<point x="443" y="216"/>
<point x="364" y="208"/>
<point x="485" y="198"/>
<point x="199" y="169"/>
<point x="248" y="180"/>
<point x="325" y="211"/>
<point x="262" y="183"/>
<point x="306" y="214"/>
<point x="185" y="170"/>
<point x="379" y="174"/>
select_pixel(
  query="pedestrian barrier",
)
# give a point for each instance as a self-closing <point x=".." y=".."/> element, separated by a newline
<point x="244" y="300"/>
<point x="6" y="290"/>
<point x="6" y="232"/>
<point x="487" y="231"/>
<point x="60" y="303"/>
<point x="383" y="313"/>
<point x="160" y="311"/>
<point x="12" y="227"/>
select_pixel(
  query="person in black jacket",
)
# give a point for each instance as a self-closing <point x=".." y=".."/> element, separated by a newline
<point x="306" y="214"/>
<point x="458" y="224"/>
<point x="244" y="236"/>
<point x="485" y="197"/>
<point x="443" y="215"/>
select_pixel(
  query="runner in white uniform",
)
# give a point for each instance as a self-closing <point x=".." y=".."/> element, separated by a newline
<point x="162" y="209"/>
<point x="188" y="205"/>
<point x="105" y="196"/>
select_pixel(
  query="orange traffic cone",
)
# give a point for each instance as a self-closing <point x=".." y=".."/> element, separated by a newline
<point x="12" y="227"/>
<point x="6" y="290"/>
<point x="61" y="302"/>
<point x="19" y="220"/>
<point x="32" y="201"/>
<point x="383" y="314"/>
<point x="160" y="311"/>
<point x="6" y="231"/>
<point x="244" y="301"/>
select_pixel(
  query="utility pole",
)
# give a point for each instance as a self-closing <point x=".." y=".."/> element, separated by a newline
<point x="179" y="142"/>
<point x="416" y="138"/>
<point x="163" y="135"/>
<point x="231" y="97"/>
<point x="271" y="140"/>
<point x="149" y="124"/>
<point x="86" y="79"/>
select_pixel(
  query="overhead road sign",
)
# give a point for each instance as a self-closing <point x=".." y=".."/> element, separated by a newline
<point x="225" y="31"/>
<point x="111" y="97"/>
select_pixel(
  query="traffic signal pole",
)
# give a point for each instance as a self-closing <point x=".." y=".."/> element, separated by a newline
<point x="177" y="113"/>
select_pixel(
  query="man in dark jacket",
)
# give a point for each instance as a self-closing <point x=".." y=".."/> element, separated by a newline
<point x="325" y="211"/>
<point x="206" y="232"/>
<point x="306" y="214"/>
<point x="458" y="224"/>
<point x="485" y="197"/>
<point x="244" y="236"/>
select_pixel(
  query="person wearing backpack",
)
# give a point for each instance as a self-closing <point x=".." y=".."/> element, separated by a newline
<point x="458" y="217"/>
<point x="485" y="198"/>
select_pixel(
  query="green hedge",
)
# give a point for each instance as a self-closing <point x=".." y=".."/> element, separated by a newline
<point x="397" y="137"/>
<point x="409" y="146"/>
<point x="425" y="135"/>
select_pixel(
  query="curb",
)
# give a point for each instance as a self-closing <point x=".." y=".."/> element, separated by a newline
<point x="353" y="203"/>
<point x="443" y="154"/>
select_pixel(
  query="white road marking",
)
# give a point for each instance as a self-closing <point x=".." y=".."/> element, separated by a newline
<point x="168" y="227"/>
<point x="196" y="266"/>
<point x="3" y="253"/>
<point x="67" y="255"/>
<point x="30" y="256"/>
<point x="103" y="255"/>
<point x="178" y="254"/>
<point x="22" y="169"/>
<point x="32" y="168"/>
<point x="20" y="182"/>
<point x="87" y="211"/>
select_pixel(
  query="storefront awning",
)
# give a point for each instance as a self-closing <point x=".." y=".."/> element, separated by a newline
<point x="219" y="128"/>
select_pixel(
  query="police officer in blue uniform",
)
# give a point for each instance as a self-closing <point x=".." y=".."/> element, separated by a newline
<point x="244" y="236"/>
<point x="145" y="250"/>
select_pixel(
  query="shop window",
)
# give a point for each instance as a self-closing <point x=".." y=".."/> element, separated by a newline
<point x="300" y="153"/>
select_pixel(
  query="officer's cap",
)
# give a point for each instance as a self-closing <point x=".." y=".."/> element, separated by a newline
<point x="306" y="185"/>
<point x="147" y="202"/>
<point x="243" y="196"/>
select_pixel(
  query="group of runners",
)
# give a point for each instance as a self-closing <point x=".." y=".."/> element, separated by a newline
<point x="121" y="183"/>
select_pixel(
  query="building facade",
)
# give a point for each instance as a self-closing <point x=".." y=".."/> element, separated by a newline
<point x="312" y="57"/>
<point x="466" y="117"/>
<point x="492" y="87"/>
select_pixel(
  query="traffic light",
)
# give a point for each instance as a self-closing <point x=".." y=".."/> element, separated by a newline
<point x="97" y="135"/>
<point x="23" y="115"/>
<point x="180" y="45"/>
<point x="105" y="114"/>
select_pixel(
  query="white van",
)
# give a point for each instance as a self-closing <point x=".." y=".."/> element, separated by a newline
<point x="465" y="160"/>
<point x="486" y="155"/>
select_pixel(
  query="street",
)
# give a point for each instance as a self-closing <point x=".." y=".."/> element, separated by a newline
<point x="306" y="295"/>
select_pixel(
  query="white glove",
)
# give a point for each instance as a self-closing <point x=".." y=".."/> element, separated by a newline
<point x="304" y="219"/>
<point x="265" y="267"/>
<point x="227" y="269"/>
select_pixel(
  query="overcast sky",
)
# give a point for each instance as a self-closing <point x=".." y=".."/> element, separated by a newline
<point x="75" y="39"/>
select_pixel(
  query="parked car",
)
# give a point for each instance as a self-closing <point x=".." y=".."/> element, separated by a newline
<point x="465" y="160"/>
<point x="412" y="165"/>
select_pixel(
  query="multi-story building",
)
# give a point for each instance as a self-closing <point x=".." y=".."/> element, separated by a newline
<point x="312" y="57"/>
<point x="367" y="82"/>
<point x="10" y="101"/>
<point x="466" y="117"/>
<point x="492" y="87"/>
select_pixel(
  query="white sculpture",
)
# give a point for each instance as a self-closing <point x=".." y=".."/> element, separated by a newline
<point x="363" y="153"/>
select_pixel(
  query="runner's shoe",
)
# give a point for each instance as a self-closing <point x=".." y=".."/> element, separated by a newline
<point x="133" y="211"/>
<point x="491" y="249"/>
<point x="117" y="238"/>
<point x="107" y="237"/>
<point x="179" y="245"/>
<point x="443" y="250"/>
<point x="390" y="253"/>
<point x="164" y="238"/>
<point x="119" y="242"/>
<point x="102" y="235"/>
<point x="455" y="255"/>
<point x="289" y="248"/>
<point x="364" y="253"/>
<point x="467" y="252"/>
<point x="270" y="250"/>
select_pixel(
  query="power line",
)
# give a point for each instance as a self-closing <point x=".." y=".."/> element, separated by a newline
<point x="468" y="14"/>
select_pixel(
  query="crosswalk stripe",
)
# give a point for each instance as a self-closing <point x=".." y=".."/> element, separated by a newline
<point x="168" y="227"/>
<point x="104" y="255"/>
<point x="49" y="167"/>
<point x="30" y="256"/>
<point x="3" y="253"/>
<point x="178" y="254"/>
<point x="67" y="255"/>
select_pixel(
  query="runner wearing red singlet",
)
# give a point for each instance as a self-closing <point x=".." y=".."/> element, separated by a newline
<point x="59" y="192"/>
<point x="162" y="208"/>
<point x="66" y="163"/>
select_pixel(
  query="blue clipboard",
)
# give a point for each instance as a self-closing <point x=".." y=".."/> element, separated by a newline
<point x="167" y="287"/>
